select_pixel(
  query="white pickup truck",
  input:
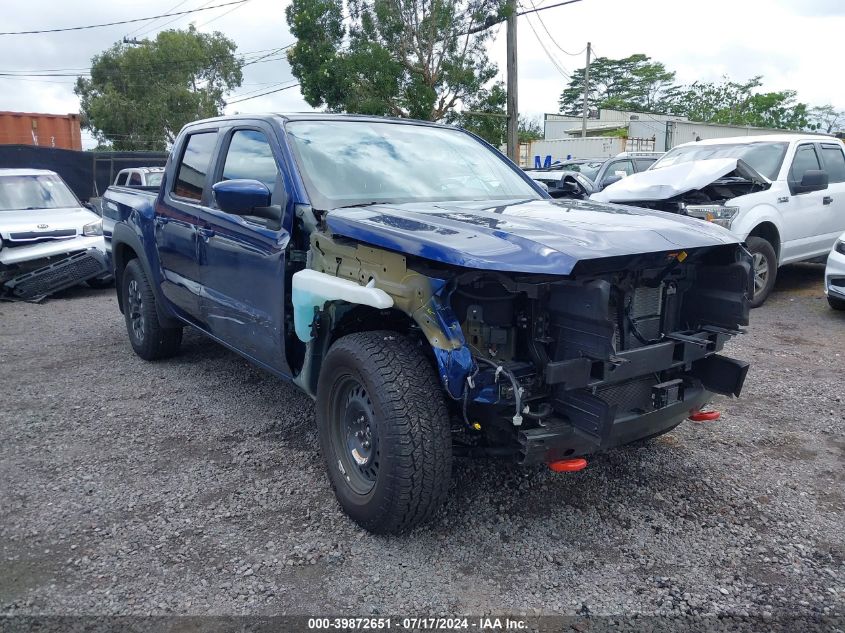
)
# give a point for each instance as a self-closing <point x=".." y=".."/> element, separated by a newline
<point x="784" y="194"/>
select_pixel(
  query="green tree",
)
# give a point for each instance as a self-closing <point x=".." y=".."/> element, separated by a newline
<point x="404" y="58"/>
<point x="138" y="97"/>
<point x="631" y="83"/>
<point x="530" y="129"/>
<point x="734" y="103"/>
<point x="484" y="114"/>
<point x="826" y="119"/>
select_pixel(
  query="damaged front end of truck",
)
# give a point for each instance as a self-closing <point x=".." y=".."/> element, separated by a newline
<point x="544" y="355"/>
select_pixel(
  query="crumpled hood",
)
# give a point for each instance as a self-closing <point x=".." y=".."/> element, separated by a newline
<point x="536" y="236"/>
<point x="34" y="220"/>
<point x="671" y="181"/>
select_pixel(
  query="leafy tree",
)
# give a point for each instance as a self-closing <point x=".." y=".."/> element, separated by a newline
<point x="138" y="97"/>
<point x="632" y="83"/>
<point x="826" y="119"/>
<point x="404" y="58"/>
<point x="735" y="103"/>
<point x="484" y="114"/>
<point x="529" y="129"/>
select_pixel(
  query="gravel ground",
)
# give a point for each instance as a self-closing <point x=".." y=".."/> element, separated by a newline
<point x="195" y="486"/>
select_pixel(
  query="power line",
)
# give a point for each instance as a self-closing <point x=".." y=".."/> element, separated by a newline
<point x="222" y="15"/>
<point x="269" y="92"/>
<point x="143" y="26"/>
<point x="548" y="53"/>
<point x="551" y="37"/>
<point x="178" y="17"/>
<point x="97" y="26"/>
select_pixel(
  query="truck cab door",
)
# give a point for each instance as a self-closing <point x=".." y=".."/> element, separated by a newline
<point x="176" y="223"/>
<point x="243" y="257"/>
<point x="805" y="215"/>
<point x="833" y="159"/>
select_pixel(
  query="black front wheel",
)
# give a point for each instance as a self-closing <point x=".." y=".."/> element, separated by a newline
<point x="384" y="431"/>
<point x="149" y="339"/>
<point x="765" y="263"/>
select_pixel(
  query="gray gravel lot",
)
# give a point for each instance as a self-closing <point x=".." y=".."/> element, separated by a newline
<point x="195" y="486"/>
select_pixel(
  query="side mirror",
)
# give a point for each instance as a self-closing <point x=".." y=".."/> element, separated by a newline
<point x="241" y="196"/>
<point x="813" y="180"/>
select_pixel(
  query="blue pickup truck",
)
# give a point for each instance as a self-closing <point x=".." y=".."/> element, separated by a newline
<point x="431" y="298"/>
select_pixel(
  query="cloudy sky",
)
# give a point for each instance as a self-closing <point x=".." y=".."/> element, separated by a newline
<point x="794" y="44"/>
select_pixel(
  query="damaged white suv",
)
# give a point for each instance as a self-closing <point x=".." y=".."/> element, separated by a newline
<point x="783" y="194"/>
<point x="48" y="240"/>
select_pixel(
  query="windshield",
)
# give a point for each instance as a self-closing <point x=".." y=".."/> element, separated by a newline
<point x="765" y="156"/>
<point x="35" y="192"/>
<point x="154" y="178"/>
<point x="345" y="163"/>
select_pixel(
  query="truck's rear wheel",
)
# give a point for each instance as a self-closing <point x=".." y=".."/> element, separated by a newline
<point x="384" y="431"/>
<point x="765" y="264"/>
<point x="149" y="339"/>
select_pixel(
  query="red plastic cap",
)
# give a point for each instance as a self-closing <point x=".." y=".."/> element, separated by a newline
<point x="568" y="465"/>
<point x="705" y="416"/>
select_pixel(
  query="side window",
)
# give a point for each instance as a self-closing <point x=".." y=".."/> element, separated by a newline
<point x="644" y="163"/>
<point x="805" y="159"/>
<point x="121" y="178"/>
<point x="190" y="177"/>
<point x="619" y="166"/>
<point x="135" y="179"/>
<point x="250" y="156"/>
<point x="834" y="162"/>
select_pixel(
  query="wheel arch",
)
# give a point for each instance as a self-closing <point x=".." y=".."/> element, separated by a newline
<point x="769" y="232"/>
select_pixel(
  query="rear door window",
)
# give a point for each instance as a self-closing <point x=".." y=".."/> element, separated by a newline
<point x="644" y="163"/>
<point x="135" y="179"/>
<point x="190" y="176"/>
<point x="834" y="162"/>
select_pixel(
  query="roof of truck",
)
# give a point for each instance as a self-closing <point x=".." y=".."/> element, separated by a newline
<point x="27" y="172"/>
<point x="314" y="116"/>
<point x="776" y="138"/>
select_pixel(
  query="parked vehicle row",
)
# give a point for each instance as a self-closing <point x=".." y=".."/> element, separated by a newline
<point x="783" y="195"/>
<point x="48" y="240"/>
<point x="561" y="181"/>
<point x="429" y="295"/>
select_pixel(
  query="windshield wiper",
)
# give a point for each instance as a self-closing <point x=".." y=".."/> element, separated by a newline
<point x="360" y="204"/>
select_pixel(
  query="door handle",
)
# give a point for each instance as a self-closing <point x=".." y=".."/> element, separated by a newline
<point x="827" y="200"/>
<point x="206" y="233"/>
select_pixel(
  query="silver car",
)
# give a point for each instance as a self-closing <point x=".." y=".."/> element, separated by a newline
<point x="48" y="240"/>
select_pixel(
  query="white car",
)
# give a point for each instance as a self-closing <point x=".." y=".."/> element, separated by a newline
<point x="834" y="275"/>
<point x="783" y="194"/>
<point x="139" y="177"/>
<point x="48" y="240"/>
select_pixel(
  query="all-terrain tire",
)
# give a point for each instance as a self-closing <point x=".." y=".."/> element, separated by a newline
<point x="384" y="431"/>
<point x="149" y="339"/>
<point x="763" y="253"/>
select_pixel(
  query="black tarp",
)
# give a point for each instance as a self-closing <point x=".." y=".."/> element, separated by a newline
<point x="87" y="173"/>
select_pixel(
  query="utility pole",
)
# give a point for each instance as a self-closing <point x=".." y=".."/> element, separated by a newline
<point x="586" y="92"/>
<point x="513" y="106"/>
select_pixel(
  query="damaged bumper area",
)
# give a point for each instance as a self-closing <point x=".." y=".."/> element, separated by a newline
<point x="543" y="367"/>
<point x="572" y="367"/>
<point x="34" y="271"/>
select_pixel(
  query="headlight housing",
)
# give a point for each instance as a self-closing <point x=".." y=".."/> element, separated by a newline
<point x="839" y="247"/>
<point x="715" y="213"/>
<point x="92" y="229"/>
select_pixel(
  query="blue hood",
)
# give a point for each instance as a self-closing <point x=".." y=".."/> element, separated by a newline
<point x="535" y="236"/>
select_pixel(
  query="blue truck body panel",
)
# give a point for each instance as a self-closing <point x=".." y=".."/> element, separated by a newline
<point x="225" y="276"/>
<point x="536" y="236"/>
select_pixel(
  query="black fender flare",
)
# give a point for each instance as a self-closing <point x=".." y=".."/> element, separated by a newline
<point x="122" y="236"/>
